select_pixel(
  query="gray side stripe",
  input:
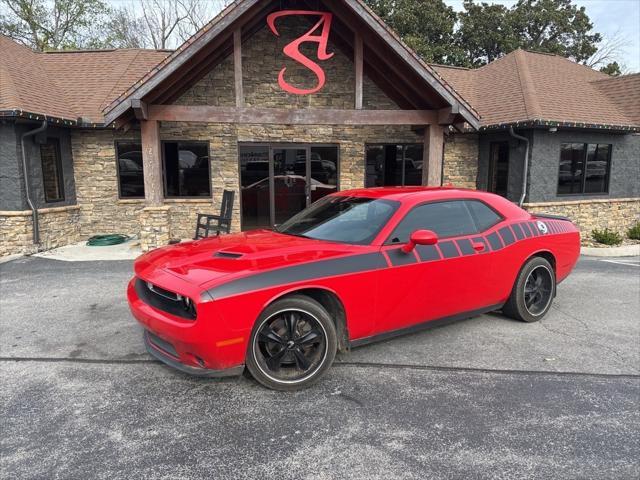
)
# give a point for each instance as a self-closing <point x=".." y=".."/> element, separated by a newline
<point x="299" y="273"/>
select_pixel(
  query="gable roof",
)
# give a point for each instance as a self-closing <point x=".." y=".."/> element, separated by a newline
<point x="538" y="88"/>
<point x="68" y="85"/>
<point x="231" y="16"/>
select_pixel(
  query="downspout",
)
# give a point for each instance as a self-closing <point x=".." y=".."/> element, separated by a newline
<point x="25" y="171"/>
<point x="525" y="170"/>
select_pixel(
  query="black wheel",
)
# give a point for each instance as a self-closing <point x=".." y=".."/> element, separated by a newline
<point x="533" y="291"/>
<point x="292" y="345"/>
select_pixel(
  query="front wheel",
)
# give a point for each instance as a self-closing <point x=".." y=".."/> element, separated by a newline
<point x="533" y="291"/>
<point x="292" y="344"/>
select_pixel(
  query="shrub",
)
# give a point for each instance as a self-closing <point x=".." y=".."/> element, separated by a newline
<point x="607" y="237"/>
<point x="634" y="232"/>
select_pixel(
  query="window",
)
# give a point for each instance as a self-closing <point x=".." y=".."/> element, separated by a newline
<point x="446" y="219"/>
<point x="584" y="168"/>
<point x="484" y="216"/>
<point x="498" y="168"/>
<point x="130" y="170"/>
<point x="52" y="180"/>
<point x="355" y="220"/>
<point x="186" y="169"/>
<point x="389" y="165"/>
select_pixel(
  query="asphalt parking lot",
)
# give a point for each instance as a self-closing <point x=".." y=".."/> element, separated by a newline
<point x="485" y="398"/>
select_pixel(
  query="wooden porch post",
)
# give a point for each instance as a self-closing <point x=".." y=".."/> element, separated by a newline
<point x="237" y="67"/>
<point x="358" y="61"/>
<point x="432" y="155"/>
<point x="151" y="160"/>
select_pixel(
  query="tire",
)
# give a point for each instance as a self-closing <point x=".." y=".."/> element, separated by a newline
<point x="533" y="291"/>
<point x="292" y="345"/>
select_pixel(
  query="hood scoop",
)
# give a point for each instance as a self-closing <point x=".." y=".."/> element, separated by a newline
<point x="222" y="254"/>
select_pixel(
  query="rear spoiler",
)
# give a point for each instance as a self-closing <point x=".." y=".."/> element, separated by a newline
<point x="552" y="217"/>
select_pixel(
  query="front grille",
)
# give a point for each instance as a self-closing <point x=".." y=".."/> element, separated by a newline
<point x="163" y="345"/>
<point x="164" y="300"/>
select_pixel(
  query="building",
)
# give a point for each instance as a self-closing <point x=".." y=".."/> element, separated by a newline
<point x="283" y="105"/>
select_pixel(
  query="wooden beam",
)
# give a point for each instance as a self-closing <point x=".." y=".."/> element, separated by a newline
<point x="139" y="109"/>
<point x="237" y="66"/>
<point x="432" y="155"/>
<point x="359" y="63"/>
<point x="446" y="116"/>
<point x="290" y="116"/>
<point x="151" y="162"/>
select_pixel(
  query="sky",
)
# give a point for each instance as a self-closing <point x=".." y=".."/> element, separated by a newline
<point x="609" y="17"/>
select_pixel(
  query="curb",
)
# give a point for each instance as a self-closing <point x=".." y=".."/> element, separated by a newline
<point x="623" y="251"/>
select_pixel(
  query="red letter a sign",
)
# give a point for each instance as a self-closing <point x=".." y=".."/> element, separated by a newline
<point x="292" y="50"/>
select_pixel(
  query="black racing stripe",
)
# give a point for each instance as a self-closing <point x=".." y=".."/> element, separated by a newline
<point x="428" y="253"/>
<point x="484" y="242"/>
<point x="518" y="231"/>
<point x="299" y="273"/>
<point x="448" y="249"/>
<point x="507" y="236"/>
<point x="398" y="257"/>
<point x="465" y="246"/>
<point x="494" y="241"/>
<point x="526" y="230"/>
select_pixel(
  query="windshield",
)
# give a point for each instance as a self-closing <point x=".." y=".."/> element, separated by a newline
<point x="355" y="220"/>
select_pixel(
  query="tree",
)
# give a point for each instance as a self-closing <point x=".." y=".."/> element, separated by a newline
<point x="159" y="24"/>
<point x="426" y="26"/>
<point x="52" y="25"/>
<point x="485" y="33"/>
<point x="612" y="69"/>
<point x="554" y="26"/>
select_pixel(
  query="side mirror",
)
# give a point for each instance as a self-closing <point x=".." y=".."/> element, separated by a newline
<point x="420" y="237"/>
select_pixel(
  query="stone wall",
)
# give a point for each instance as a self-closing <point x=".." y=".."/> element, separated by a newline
<point x="460" y="167"/>
<point x="101" y="211"/>
<point x="59" y="226"/>
<point x="615" y="214"/>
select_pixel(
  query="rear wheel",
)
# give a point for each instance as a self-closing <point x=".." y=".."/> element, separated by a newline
<point x="292" y="345"/>
<point x="533" y="291"/>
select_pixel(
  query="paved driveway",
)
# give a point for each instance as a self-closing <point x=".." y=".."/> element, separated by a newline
<point x="484" y="398"/>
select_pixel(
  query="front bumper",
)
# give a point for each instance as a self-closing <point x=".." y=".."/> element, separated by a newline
<point x="158" y="353"/>
<point x="205" y="347"/>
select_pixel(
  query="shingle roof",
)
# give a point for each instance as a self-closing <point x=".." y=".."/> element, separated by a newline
<point x="68" y="85"/>
<point x="529" y="87"/>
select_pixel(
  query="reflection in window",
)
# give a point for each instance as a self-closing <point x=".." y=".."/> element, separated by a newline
<point x="446" y="219"/>
<point x="391" y="165"/>
<point x="52" y="170"/>
<point x="584" y="168"/>
<point x="130" y="173"/>
<point x="186" y="169"/>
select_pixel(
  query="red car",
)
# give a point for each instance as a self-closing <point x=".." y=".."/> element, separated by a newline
<point x="354" y="267"/>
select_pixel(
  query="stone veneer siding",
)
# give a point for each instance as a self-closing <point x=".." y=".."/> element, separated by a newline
<point x="460" y="166"/>
<point x="617" y="214"/>
<point x="59" y="226"/>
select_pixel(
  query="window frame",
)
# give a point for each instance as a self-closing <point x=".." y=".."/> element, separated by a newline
<point x="59" y="171"/>
<point x="164" y="176"/>
<point x="583" y="183"/>
<point x="115" y="146"/>
<point x="501" y="219"/>
<point x="404" y="146"/>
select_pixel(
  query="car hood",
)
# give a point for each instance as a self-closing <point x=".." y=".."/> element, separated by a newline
<point x="215" y="260"/>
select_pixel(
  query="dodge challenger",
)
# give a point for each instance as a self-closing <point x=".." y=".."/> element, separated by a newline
<point x="354" y="267"/>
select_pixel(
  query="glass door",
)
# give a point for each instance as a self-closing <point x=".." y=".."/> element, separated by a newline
<point x="278" y="181"/>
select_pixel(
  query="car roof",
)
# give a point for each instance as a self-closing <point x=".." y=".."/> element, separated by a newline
<point x="415" y="195"/>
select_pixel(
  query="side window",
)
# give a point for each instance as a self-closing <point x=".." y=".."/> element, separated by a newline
<point x="483" y="215"/>
<point x="447" y="219"/>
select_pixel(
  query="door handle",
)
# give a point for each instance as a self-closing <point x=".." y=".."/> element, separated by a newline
<point x="478" y="246"/>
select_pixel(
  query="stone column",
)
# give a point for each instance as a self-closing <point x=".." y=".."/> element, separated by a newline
<point x="154" y="227"/>
<point x="154" y="218"/>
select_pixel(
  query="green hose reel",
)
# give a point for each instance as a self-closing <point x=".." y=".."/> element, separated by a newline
<point x="104" y="240"/>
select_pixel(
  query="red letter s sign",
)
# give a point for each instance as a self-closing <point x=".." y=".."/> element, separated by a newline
<point x="292" y="50"/>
